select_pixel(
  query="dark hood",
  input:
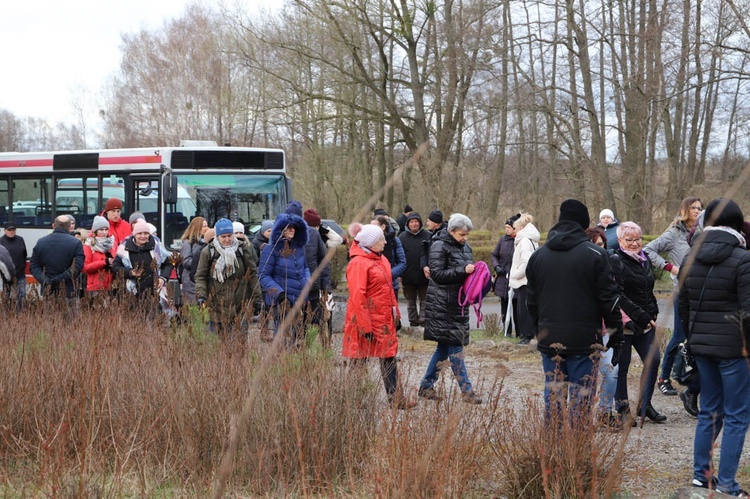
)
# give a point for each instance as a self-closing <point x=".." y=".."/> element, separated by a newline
<point x="413" y="216"/>
<point x="300" y="229"/>
<point x="564" y="235"/>
<point x="714" y="246"/>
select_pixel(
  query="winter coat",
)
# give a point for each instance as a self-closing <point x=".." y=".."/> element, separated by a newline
<point x="402" y="221"/>
<point x="715" y="294"/>
<point x="371" y="306"/>
<point x="226" y="299"/>
<point x="394" y="252"/>
<point x="98" y="271"/>
<point x="191" y="253"/>
<point x="502" y="256"/>
<point x="259" y="242"/>
<point x="16" y="246"/>
<point x="283" y="266"/>
<point x="56" y="258"/>
<point x="413" y="244"/>
<point x="445" y="321"/>
<point x="130" y="256"/>
<point x="315" y="252"/>
<point x="674" y="242"/>
<point x="570" y="290"/>
<point x="526" y="242"/>
<point x="635" y="281"/>
<point x="7" y="269"/>
<point x="120" y="230"/>
<point x="610" y="232"/>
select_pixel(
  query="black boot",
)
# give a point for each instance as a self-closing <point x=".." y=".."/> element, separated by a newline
<point x="654" y="416"/>
<point x="626" y="417"/>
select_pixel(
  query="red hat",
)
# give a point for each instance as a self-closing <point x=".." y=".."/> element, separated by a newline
<point x="113" y="204"/>
<point x="311" y="217"/>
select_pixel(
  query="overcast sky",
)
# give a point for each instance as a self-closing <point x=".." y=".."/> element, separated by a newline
<point x="52" y="47"/>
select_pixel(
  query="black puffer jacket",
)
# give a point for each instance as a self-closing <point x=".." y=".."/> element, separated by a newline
<point x="636" y="283"/>
<point x="570" y="291"/>
<point x="315" y="252"/>
<point x="444" y="320"/>
<point x="714" y="294"/>
<point x="413" y="244"/>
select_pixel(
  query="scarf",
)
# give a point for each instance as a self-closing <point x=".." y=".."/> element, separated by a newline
<point x="101" y="244"/>
<point x="639" y="256"/>
<point x="227" y="263"/>
<point x="730" y="230"/>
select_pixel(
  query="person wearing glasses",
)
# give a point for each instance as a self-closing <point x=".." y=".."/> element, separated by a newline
<point x="635" y="279"/>
<point x="674" y="243"/>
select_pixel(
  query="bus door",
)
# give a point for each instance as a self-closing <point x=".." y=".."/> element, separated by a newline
<point x="143" y="194"/>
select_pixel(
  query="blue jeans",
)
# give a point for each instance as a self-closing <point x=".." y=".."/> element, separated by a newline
<point x="456" y="354"/>
<point x="571" y="381"/>
<point x="609" y="379"/>
<point x="725" y="403"/>
<point x="678" y="336"/>
<point x="648" y="350"/>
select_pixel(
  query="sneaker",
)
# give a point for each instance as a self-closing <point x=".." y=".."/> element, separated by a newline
<point x="666" y="387"/>
<point x="739" y="493"/>
<point x="428" y="393"/>
<point x="471" y="397"/>
<point x="690" y="402"/>
<point x="704" y="485"/>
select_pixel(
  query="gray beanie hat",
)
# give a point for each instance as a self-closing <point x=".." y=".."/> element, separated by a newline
<point x="135" y="216"/>
<point x="99" y="223"/>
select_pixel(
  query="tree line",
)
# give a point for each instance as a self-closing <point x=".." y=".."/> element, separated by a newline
<point x="481" y="106"/>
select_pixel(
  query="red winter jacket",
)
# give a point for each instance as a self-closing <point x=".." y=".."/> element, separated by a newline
<point x="372" y="306"/>
<point x="99" y="278"/>
<point x="120" y="229"/>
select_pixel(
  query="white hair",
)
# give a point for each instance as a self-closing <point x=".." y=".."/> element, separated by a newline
<point x="459" y="221"/>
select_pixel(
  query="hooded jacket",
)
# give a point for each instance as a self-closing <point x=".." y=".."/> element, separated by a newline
<point x="714" y="300"/>
<point x="445" y="321"/>
<point x="526" y="242"/>
<point x="131" y="256"/>
<point x="283" y="266"/>
<point x="394" y="252"/>
<point x="412" y="243"/>
<point x="120" y="230"/>
<point x="371" y="306"/>
<point x="570" y="290"/>
<point x="673" y="242"/>
<point x="502" y="256"/>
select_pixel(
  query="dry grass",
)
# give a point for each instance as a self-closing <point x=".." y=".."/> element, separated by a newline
<point x="100" y="402"/>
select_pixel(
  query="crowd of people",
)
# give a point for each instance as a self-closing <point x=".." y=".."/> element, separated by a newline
<point x="586" y="296"/>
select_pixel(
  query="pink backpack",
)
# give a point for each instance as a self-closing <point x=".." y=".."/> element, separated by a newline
<point x="474" y="288"/>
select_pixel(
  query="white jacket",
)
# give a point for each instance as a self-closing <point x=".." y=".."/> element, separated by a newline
<point x="527" y="241"/>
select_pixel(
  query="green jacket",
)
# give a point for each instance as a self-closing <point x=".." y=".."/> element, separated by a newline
<point x="226" y="299"/>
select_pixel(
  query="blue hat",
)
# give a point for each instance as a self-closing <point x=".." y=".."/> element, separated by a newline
<point x="266" y="225"/>
<point x="294" y="208"/>
<point x="223" y="226"/>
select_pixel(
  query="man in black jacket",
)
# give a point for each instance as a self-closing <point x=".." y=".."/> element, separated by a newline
<point x="414" y="278"/>
<point x="570" y="291"/>
<point x="57" y="259"/>
<point x="16" y="246"/>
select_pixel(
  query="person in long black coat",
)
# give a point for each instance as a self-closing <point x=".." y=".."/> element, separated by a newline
<point x="502" y="257"/>
<point x="451" y="260"/>
<point x="414" y="278"/>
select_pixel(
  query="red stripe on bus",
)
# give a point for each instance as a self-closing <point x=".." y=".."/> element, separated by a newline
<point x="124" y="160"/>
<point x="15" y="163"/>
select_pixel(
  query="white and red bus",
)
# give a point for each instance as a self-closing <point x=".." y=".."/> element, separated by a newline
<point x="169" y="185"/>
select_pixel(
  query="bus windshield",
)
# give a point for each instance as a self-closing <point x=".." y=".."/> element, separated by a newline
<point x="245" y="198"/>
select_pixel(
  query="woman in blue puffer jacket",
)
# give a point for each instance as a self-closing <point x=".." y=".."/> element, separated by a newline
<point x="283" y="270"/>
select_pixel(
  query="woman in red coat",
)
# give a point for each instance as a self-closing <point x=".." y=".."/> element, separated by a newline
<point x="99" y="251"/>
<point x="372" y="309"/>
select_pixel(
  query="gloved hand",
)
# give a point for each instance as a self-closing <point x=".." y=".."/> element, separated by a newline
<point x="56" y="280"/>
<point x="498" y="269"/>
<point x="202" y="302"/>
<point x="369" y="336"/>
<point x="398" y="324"/>
<point x="616" y="351"/>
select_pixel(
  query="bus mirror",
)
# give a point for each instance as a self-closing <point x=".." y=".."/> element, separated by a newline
<point x="170" y="189"/>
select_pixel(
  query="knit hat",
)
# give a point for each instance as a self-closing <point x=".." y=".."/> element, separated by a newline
<point x="575" y="211"/>
<point x="223" y="226"/>
<point x="140" y="226"/>
<point x="135" y="216"/>
<point x="379" y="212"/>
<point x="311" y="217"/>
<point x="512" y="219"/>
<point x="266" y="225"/>
<point x="408" y="208"/>
<point x="606" y="212"/>
<point x="725" y="212"/>
<point x="436" y="217"/>
<point x="151" y="229"/>
<point x="99" y="223"/>
<point x="294" y="208"/>
<point x="113" y="204"/>
<point x="238" y="227"/>
<point x="366" y="235"/>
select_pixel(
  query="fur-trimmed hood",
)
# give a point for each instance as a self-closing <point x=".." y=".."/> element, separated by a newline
<point x="300" y="230"/>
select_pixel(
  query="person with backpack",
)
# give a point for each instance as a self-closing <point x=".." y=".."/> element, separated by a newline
<point x="190" y="251"/>
<point x="451" y="260"/>
<point x="226" y="278"/>
<point x="525" y="243"/>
